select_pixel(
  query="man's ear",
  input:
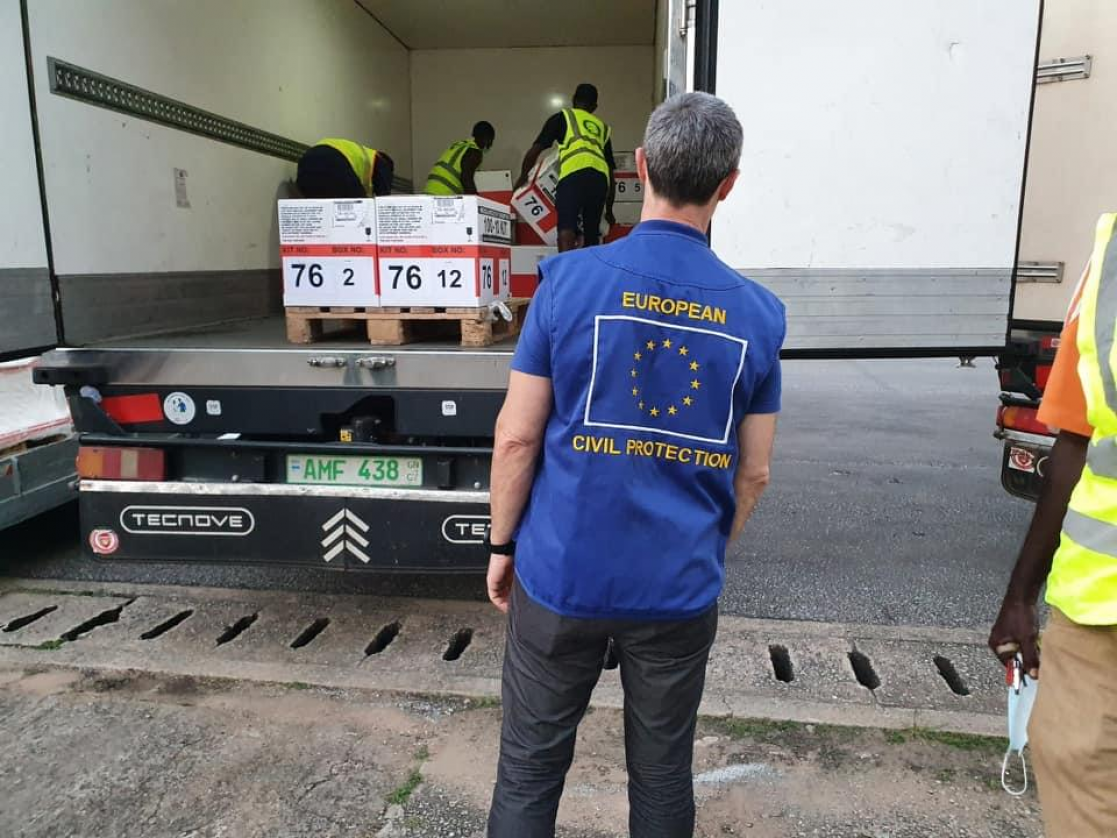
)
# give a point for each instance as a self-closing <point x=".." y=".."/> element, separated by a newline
<point x="727" y="185"/>
<point x="642" y="165"/>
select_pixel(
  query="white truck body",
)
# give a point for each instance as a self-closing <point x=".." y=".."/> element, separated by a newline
<point x="879" y="196"/>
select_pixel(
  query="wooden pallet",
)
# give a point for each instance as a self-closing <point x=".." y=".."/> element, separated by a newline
<point x="397" y="326"/>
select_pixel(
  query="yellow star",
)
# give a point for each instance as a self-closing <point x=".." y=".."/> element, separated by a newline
<point x="688" y="401"/>
<point x="640" y="405"/>
<point x="683" y="350"/>
<point x="694" y="385"/>
<point x="635" y="391"/>
<point x="650" y="344"/>
<point x="654" y="411"/>
<point x="667" y="343"/>
<point x="633" y="373"/>
<point x="637" y="356"/>
<point x="672" y="410"/>
<point x="694" y="365"/>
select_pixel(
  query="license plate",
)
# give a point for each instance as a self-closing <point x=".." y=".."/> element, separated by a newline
<point x="355" y="471"/>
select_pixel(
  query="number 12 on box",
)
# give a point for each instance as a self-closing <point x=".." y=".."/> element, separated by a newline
<point x="436" y="282"/>
<point x="329" y="281"/>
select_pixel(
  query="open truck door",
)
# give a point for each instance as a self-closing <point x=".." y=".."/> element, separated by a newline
<point x="883" y="167"/>
<point x="37" y="450"/>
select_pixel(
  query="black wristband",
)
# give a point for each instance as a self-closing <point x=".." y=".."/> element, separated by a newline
<point x="508" y="549"/>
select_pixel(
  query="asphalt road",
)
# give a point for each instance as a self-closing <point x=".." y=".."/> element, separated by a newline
<point x="885" y="507"/>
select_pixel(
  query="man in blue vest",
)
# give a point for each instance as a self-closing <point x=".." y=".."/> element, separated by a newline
<point x="633" y="445"/>
<point x="586" y="187"/>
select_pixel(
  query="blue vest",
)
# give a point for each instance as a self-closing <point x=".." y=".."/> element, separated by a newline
<point x="656" y="351"/>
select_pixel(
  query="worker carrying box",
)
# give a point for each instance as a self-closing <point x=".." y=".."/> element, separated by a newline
<point x="585" y="189"/>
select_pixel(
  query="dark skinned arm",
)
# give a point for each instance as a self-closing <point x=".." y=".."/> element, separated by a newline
<point x="471" y="160"/>
<point x="529" y="160"/>
<point x="1017" y="625"/>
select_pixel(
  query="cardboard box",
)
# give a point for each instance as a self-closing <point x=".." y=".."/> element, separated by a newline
<point x="625" y="160"/>
<point x="629" y="188"/>
<point x="496" y="185"/>
<point x="443" y="251"/>
<point x="534" y="202"/>
<point x="328" y="251"/>
<point x="627" y="214"/>
<point x="525" y="268"/>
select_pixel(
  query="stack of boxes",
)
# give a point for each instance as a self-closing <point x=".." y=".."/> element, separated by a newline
<point x="398" y="251"/>
<point x="433" y="251"/>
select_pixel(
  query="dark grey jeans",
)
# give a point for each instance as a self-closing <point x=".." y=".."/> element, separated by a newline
<point x="551" y="665"/>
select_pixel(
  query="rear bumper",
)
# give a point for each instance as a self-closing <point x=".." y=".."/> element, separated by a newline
<point x="342" y="528"/>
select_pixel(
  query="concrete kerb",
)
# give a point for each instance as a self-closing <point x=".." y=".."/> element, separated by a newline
<point x="742" y="692"/>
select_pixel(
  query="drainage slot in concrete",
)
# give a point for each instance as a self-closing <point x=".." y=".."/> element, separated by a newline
<point x="781" y="664"/>
<point x="458" y="644"/>
<point x="611" y="661"/>
<point x="234" y="631"/>
<point x="950" y="674"/>
<point x="310" y="632"/>
<point x="383" y="639"/>
<point x="863" y="670"/>
<point x="28" y="619"/>
<point x="165" y="626"/>
<point x="102" y="619"/>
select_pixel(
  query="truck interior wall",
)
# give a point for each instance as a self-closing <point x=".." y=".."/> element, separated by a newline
<point x="1071" y="177"/>
<point x="880" y="185"/>
<point x="517" y="89"/>
<point x="26" y="310"/>
<point x="129" y="259"/>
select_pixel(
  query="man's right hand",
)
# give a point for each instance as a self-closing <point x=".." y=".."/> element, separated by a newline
<point x="1017" y="630"/>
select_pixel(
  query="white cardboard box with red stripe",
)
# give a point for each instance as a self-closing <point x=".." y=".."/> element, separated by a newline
<point x="328" y="250"/>
<point x="534" y="202"/>
<point x="443" y="251"/>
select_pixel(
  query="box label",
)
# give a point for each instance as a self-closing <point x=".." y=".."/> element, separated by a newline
<point x="329" y="280"/>
<point x="496" y="227"/>
<point x="428" y="281"/>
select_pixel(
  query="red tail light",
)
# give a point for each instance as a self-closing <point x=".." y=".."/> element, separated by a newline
<point x="1022" y="419"/>
<point x="110" y="463"/>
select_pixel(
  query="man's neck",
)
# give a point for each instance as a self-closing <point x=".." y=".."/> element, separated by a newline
<point x="691" y="215"/>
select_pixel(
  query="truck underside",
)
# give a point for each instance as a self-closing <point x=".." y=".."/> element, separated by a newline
<point x="239" y="440"/>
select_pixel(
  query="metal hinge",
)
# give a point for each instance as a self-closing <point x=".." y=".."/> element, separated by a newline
<point x="1064" y="69"/>
<point x="1049" y="272"/>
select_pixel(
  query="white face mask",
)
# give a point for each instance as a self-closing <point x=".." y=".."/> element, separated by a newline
<point x="1021" y="698"/>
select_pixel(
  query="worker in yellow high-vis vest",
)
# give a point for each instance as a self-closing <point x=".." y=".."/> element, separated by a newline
<point x="1072" y="546"/>
<point x="586" y="186"/>
<point x="452" y="173"/>
<point x="334" y="168"/>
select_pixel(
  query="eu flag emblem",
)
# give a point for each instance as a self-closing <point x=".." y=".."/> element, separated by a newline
<point x="663" y="379"/>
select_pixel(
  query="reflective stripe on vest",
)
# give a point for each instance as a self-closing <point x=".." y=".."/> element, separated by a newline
<point x="583" y="147"/>
<point x="362" y="159"/>
<point x="1083" y="579"/>
<point x="445" y="177"/>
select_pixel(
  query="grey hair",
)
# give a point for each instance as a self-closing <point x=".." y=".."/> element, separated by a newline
<point x="692" y="143"/>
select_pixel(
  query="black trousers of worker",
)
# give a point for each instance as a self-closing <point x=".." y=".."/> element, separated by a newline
<point x="551" y="665"/>
<point x="581" y="198"/>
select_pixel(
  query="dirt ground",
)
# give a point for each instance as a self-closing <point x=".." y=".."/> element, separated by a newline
<point x="97" y="754"/>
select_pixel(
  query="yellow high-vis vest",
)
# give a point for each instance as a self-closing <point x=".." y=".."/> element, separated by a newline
<point x="1083" y="580"/>
<point x="361" y="158"/>
<point x="583" y="147"/>
<point x="445" y="177"/>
